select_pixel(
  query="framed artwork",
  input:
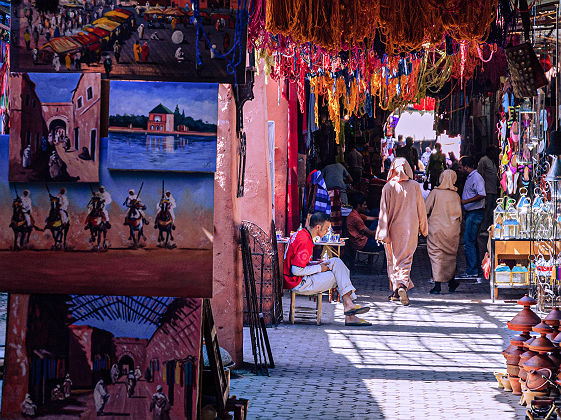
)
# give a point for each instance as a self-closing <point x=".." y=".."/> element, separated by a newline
<point x="97" y="355"/>
<point x="134" y="233"/>
<point x="54" y="126"/>
<point x="162" y="126"/>
<point x="124" y="39"/>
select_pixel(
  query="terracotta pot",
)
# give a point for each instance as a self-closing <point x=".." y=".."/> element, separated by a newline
<point x="506" y="383"/>
<point x="527" y="355"/>
<point x="542" y="328"/>
<point x="518" y="340"/>
<point x="524" y="320"/>
<point x="522" y="374"/>
<point x="536" y="382"/>
<point x="557" y="339"/>
<point x="526" y="301"/>
<point x="539" y="361"/>
<point x="528" y="342"/>
<point x="542" y="344"/>
<point x="553" y="318"/>
<point x="498" y="376"/>
<point x="515" y="384"/>
<point x="555" y="358"/>
<point x="528" y="396"/>
<point x="513" y="370"/>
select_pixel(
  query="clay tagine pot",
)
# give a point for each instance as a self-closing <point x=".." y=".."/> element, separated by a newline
<point x="526" y="318"/>
<point x="536" y="382"/>
<point x="515" y="384"/>
<point x="512" y="353"/>
<point x="553" y="318"/>
<point x="539" y="361"/>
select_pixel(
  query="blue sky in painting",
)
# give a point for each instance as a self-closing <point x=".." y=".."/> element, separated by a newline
<point x="121" y="328"/>
<point x="199" y="100"/>
<point x="54" y="87"/>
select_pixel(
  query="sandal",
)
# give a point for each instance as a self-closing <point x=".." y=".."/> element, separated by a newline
<point x="403" y="298"/>
<point x="357" y="309"/>
<point x="360" y="323"/>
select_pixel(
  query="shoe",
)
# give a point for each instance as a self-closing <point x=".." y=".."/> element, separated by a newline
<point x="357" y="309"/>
<point x="466" y="276"/>
<point x="453" y="285"/>
<point x="403" y="298"/>
<point x="434" y="291"/>
<point x="360" y="323"/>
<point x="393" y="297"/>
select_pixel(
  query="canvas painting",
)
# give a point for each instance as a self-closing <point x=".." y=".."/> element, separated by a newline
<point x="85" y="356"/>
<point x="132" y="233"/>
<point x="54" y="126"/>
<point x="163" y="126"/>
<point x="129" y="39"/>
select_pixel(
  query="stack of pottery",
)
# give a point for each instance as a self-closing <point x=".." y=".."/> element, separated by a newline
<point x="520" y="352"/>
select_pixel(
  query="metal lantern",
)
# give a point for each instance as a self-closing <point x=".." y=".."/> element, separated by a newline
<point x="511" y="225"/>
<point x="524" y="214"/>
<point x="498" y="219"/>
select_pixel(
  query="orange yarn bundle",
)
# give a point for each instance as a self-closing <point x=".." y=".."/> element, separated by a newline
<point x="406" y="24"/>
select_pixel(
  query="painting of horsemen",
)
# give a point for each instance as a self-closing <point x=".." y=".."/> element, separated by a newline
<point x="128" y="225"/>
<point x="54" y="127"/>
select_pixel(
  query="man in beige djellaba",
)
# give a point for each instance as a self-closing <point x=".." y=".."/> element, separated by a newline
<point x="444" y="210"/>
<point x="402" y="218"/>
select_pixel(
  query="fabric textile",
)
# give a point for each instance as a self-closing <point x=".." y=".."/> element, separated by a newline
<point x="336" y="217"/>
<point x="321" y="201"/>
<point x="402" y="217"/>
<point x="444" y="211"/>
<point x="473" y="221"/>
<point x="338" y="275"/>
<point x="475" y="185"/>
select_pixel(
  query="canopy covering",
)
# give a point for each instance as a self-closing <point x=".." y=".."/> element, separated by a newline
<point x="62" y="44"/>
<point x="107" y="24"/>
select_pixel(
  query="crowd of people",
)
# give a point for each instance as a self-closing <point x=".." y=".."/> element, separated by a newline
<point x="455" y="195"/>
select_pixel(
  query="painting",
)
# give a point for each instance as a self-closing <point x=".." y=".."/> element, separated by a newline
<point x="145" y="233"/>
<point x="84" y="356"/>
<point x="54" y="126"/>
<point x="145" y="134"/>
<point x="130" y="39"/>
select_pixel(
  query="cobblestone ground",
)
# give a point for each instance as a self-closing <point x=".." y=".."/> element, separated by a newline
<point x="431" y="360"/>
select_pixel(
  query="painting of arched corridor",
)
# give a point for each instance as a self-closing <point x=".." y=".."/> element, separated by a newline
<point x="54" y="127"/>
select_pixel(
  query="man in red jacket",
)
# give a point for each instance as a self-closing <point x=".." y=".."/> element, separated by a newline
<point x="306" y="278"/>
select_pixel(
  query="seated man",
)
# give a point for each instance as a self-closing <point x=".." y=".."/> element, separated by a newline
<point x="306" y="278"/>
<point x="361" y="238"/>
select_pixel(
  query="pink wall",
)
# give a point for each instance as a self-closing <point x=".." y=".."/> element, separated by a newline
<point x="227" y="303"/>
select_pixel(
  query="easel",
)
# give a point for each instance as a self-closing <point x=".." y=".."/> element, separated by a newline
<point x="225" y="403"/>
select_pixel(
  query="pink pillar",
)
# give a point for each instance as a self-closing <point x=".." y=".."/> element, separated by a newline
<point x="227" y="302"/>
<point x="257" y="203"/>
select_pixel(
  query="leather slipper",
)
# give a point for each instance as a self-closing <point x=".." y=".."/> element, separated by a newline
<point x="357" y="309"/>
<point x="360" y="323"/>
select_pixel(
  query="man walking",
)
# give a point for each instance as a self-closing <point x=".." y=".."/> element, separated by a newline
<point x="473" y="201"/>
<point x="487" y="168"/>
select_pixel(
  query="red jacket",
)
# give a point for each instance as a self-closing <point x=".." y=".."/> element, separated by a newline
<point x="299" y="252"/>
<point x="358" y="231"/>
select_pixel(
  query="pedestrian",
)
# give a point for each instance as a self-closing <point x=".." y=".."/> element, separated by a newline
<point x="117" y="51"/>
<point x="473" y="200"/>
<point x="361" y="237"/>
<point x="487" y="168"/>
<point x="444" y="212"/>
<point x="426" y="156"/>
<point x="336" y="176"/>
<point x="36" y="37"/>
<point x="56" y="62"/>
<point x="402" y="218"/>
<point x="27" y="39"/>
<point x="34" y="55"/>
<point x="145" y="52"/>
<point x="78" y="61"/>
<point x="160" y="406"/>
<point x="108" y="65"/>
<point x="140" y="31"/>
<point x="136" y="49"/>
<point x="28" y="407"/>
<point x="436" y="165"/>
<point x="305" y="278"/>
<point x="48" y="35"/>
<point x="101" y="396"/>
<point x="56" y="33"/>
<point x="67" y="61"/>
<point x="173" y="24"/>
<point x="355" y="161"/>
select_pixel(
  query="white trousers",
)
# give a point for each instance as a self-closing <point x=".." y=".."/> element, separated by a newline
<point x="339" y="276"/>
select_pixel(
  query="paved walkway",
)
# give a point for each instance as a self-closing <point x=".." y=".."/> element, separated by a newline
<point x="432" y="360"/>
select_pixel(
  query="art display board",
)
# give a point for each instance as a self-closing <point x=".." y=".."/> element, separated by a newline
<point x="130" y="40"/>
<point x="55" y="127"/>
<point x="120" y="356"/>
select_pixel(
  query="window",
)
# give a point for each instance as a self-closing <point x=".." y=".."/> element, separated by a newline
<point x="152" y="127"/>
<point x="93" y="143"/>
<point x="89" y="93"/>
<point x="80" y="102"/>
<point x="158" y="118"/>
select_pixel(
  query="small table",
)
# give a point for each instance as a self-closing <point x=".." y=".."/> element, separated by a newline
<point x="332" y="248"/>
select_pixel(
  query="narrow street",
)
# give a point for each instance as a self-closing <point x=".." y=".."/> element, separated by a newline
<point x="432" y="360"/>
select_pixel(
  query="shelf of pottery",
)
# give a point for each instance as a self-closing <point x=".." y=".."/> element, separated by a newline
<point x="532" y="360"/>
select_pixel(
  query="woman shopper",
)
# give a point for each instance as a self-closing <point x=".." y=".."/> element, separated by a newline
<point x="444" y="211"/>
<point x="402" y="217"/>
